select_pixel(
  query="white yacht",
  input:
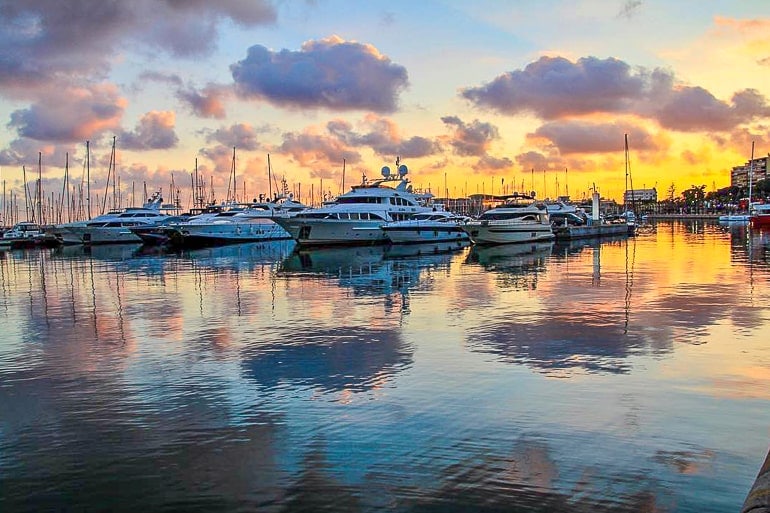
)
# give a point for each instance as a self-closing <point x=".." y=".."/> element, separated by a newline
<point x="439" y="226"/>
<point x="356" y="217"/>
<point x="513" y="221"/>
<point x="115" y="226"/>
<point x="22" y="235"/>
<point x="250" y="222"/>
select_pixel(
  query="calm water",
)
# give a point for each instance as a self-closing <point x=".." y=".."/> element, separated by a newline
<point x="631" y="375"/>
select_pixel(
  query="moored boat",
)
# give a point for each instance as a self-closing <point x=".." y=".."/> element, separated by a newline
<point x="520" y="219"/>
<point x="439" y="226"/>
<point x="760" y="215"/>
<point x="115" y="226"/>
<point x="355" y="217"/>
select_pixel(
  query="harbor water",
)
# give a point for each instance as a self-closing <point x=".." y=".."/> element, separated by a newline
<point x="624" y="375"/>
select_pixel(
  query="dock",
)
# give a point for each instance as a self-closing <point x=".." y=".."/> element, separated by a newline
<point x="592" y="230"/>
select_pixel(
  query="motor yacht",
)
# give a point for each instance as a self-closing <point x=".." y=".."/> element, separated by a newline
<point x="115" y="225"/>
<point x="356" y="216"/>
<point x="251" y="222"/>
<point x="439" y="226"/>
<point x="520" y="219"/>
<point x="22" y="235"/>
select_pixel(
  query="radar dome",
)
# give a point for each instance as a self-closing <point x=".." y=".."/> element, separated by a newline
<point x="385" y="171"/>
<point x="402" y="170"/>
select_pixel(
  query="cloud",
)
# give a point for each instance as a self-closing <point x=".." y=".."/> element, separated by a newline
<point x="690" y="109"/>
<point x="154" y="131"/>
<point x="490" y="163"/>
<point x="577" y="136"/>
<point x="207" y="102"/>
<point x="533" y="160"/>
<point x="470" y="139"/>
<point x="317" y="150"/>
<point x="555" y="88"/>
<point x="629" y="8"/>
<point x="70" y="114"/>
<point x="41" y="40"/>
<point x="330" y="73"/>
<point x="242" y="136"/>
<point x="384" y="137"/>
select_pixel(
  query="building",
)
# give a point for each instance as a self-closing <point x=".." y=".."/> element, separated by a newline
<point x="739" y="176"/>
<point x="641" y="195"/>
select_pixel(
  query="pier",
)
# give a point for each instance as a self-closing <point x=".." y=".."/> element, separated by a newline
<point x="591" y="230"/>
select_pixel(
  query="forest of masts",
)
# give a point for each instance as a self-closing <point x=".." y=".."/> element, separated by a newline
<point x="76" y="201"/>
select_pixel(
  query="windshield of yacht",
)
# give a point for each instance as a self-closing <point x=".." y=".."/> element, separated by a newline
<point x="359" y="199"/>
<point x="499" y="216"/>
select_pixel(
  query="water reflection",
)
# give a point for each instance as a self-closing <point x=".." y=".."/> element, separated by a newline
<point x="257" y="377"/>
<point x="328" y="360"/>
<point x="371" y="270"/>
<point x="516" y="265"/>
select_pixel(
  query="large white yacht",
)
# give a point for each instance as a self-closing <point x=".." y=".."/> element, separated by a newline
<point x="356" y="216"/>
<point x="115" y="226"/>
<point x="520" y="219"/>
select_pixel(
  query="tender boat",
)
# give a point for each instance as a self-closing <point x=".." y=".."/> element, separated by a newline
<point x="439" y="226"/>
<point x="356" y="217"/>
<point x="518" y="220"/>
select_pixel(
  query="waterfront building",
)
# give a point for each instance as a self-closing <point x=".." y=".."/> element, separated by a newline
<point x="640" y="195"/>
<point x="739" y="176"/>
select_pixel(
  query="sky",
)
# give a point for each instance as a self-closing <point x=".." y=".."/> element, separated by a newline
<point x="485" y="96"/>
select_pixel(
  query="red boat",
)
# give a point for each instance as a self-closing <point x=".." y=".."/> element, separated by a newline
<point x="760" y="215"/>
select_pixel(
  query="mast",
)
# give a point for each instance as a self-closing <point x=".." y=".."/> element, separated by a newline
<point x="269" y="179"/>
<point x="40" y="187"/>
<point x="88" y="178"/>
<point x="26" y="192"/>
<point x="231" y="184"/>
<point x="751" y="176"/>
<point x="629" y="180"/>
<point x="64" y="189"/>
<point x="343" y="177"/>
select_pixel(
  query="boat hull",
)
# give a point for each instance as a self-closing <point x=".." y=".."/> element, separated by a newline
<point x="333" y="232"/>
<point x="104" y="235"/>
<point x="483" y="232"/>
<point x="424" y="233"/>
<point x="758" y="221"/>
<point x="204" y="235"/>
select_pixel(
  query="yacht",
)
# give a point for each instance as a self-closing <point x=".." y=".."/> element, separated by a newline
<point x="115" y="226"/>
<point x="439" y="226"/>
<point x="250" y="222"/>
<point x="520" y="219"/>
<point x="22" y="235"/>
<point x="356" y="217"/>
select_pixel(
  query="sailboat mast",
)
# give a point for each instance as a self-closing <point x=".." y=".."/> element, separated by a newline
<point x="751" y="175"/>
<point x="625" y="191"/>
<point x="88" y="178"/>
<point x="269" y="179"/>
<point x="40" y="187"/>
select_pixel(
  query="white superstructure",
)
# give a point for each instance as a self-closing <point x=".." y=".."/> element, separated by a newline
<point x="512" y="222"/>
<point x="356" y="216"/>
